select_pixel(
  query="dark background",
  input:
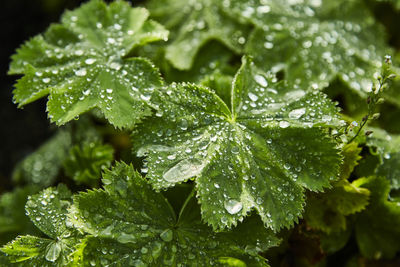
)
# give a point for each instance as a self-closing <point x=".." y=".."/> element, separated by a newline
<point x="22" y="130"/>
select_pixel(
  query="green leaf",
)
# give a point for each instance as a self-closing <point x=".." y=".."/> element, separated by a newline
<point x="13" y="220"/>
<point x="42" y="166"/>
<point x="388" y="150"/>
<point x="351" y="156"/>
<point x="130" y="224"/>
<point x="48" y="211"/>
<point x="315" y="42"/>
<point x="376" y="232"/>
<point x="193" y="24"/>
<point x="327" y="212"/>
<point x="261" y="155"/>
<point x="85" y="62"/>
<point x="86" y="162"/>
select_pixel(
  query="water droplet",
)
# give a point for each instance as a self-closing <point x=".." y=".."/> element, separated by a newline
<point x="183" y="124"/>
<point x="79" y="52"/>
<point x="235" y="150"/>
<point x="284" y="124"/>
<point x="167" y="235"/>
<point x="297" y="113"/>
<point x="115" y="65"/>
<point x="86" y="92"/>
<point x="145" y="97"/>
<point x="261" y="80"/>
<point x="185" y="169"/>
<point x="259" y="200"/>
<point x="171" y="157"/>
<point x="268" y="45"/>
<point x="233" y="206"/>
<point x="253" y="97"/>
<point x="90" y="61"/>
<point x="109" y="91"/>
<point x="80" y="72"/>
<point x="53" y="251"/>
<point x="263" y="9"/>
<point x="46" y="80"/>
<point x="216" y="185"/>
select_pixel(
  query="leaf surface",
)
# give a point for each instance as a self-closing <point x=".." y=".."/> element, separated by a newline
<point x="193" y="24"/>
<point x="376" y="232"/>
<point x="85" y="62"/>
<point x="388" y="150"/>
<point x="259" y="155"/>
<point x="131" y="224"/>
<point x="48" y="211"/>
<point x="314" y="42"/>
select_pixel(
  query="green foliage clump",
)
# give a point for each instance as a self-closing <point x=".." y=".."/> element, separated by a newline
<point x="203" y="133"/>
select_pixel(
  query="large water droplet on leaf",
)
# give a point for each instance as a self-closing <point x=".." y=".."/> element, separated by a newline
<point x="53" y="251"/>
<point x="297" y="113"/>
<point x="185" y="169"/>
<point x="233" y="206"/>
<point x="167" y="235"/>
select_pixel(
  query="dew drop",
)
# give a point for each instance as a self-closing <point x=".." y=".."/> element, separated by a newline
<point x="46" y="80"/>
<point x="167" y="235"/>
<point x="80" y="72"/>
<point x="109" y="91"/>
<point x="261" y="80"/>
<point x="53" y="251"/>
<point x="253" y="97"/>
<point x="284" y="124"/>
<point x="185" y="169"/>
<point x="233" y="206"/>
<point x="297" y="113"/>
<point x="90" y="61"/>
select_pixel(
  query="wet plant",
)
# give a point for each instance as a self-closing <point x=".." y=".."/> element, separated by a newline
<point x="207" y="133"/>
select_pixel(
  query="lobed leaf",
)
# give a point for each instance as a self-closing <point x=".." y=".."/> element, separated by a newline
<point x="388" y="150"/>
<point x="314" y="42"/>
<point x="48" y="211"/>
<point x="131" y="224"/>
<point x="85" y="62"/>
<point x="193" y="24"/>
<point x="86" y="162"/>
<point x="259" y="155"/>
<point x="376" y="234"/>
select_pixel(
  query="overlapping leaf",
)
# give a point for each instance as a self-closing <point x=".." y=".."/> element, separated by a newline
<point x="48" y="211"/>
<point x="315" y="41"/>
<point x="132" y="225"/>
<point x="388" y="150"/>
<point x="85" y="62"/>
<point x="194" y="23"/>
<point x="259" y="155"/>
<point x="13" y="220"/>
<point x="376" y="232"/>
<point x="42" y="166"/>
<point x="86" y="162"/>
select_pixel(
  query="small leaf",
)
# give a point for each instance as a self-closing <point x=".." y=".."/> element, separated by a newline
<point x="86" y="162"/>
<point x="261" y="154"/>
<point x="195" y="23"/>
<point x="327" y="211"/>
<point x="84" y="63"/>
<point x="13" y="220"/>
<point x="376" y="232"/>
<point x="315" y="42"/>
<point x="388" y="150"/>
<point x="48" y="211"/>
<point x="130" y="224"/>
<point x="42" y="166"/>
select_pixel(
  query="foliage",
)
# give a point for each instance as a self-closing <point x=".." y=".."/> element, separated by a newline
<point x="237" y="144"/>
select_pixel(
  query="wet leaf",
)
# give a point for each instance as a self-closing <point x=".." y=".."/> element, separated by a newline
<point x="85" y="62"/>
<point x="316" y="41"/>
<point x="131" y="224"/>
<point x="193" y="24"/>
<point x="48" y="211"/>
<point x="260" y="155"/>
<point x="376" y="232"/>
